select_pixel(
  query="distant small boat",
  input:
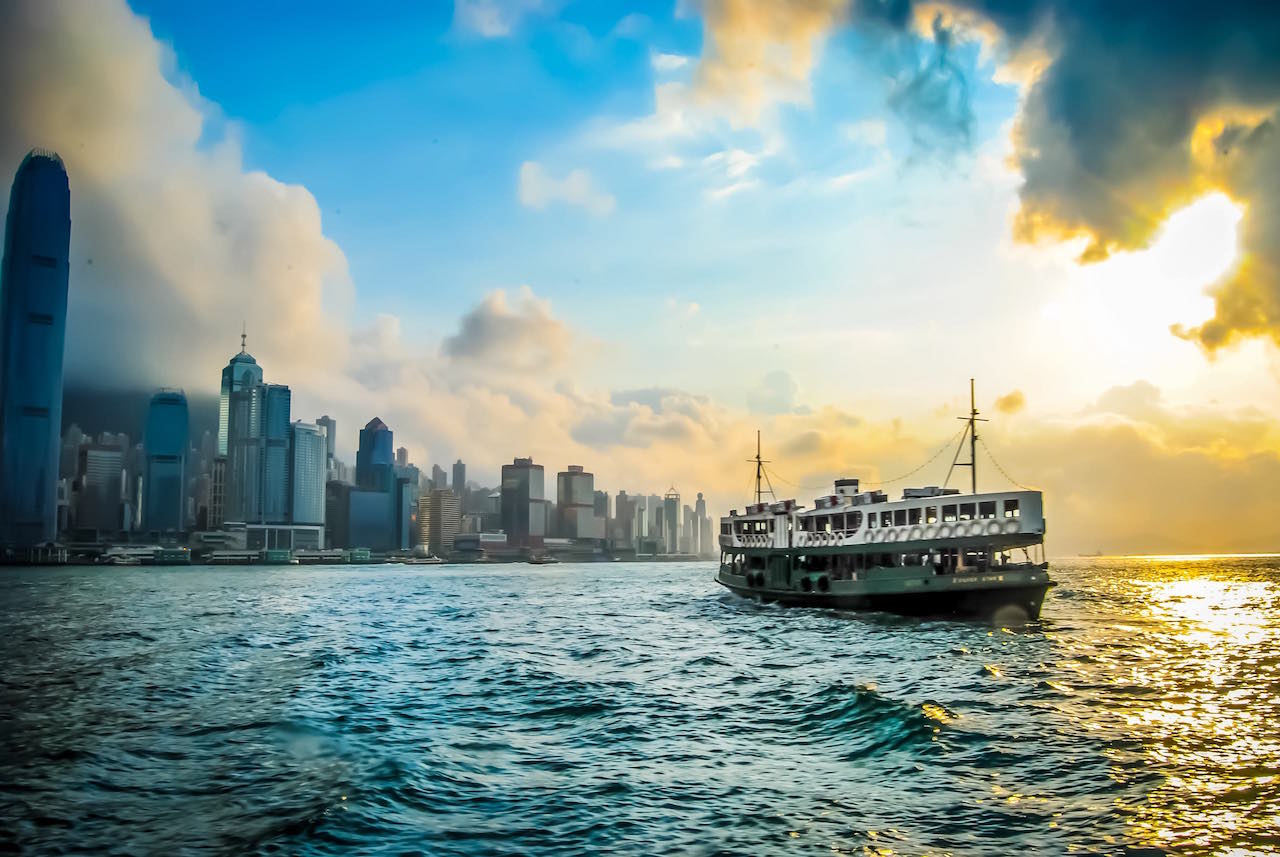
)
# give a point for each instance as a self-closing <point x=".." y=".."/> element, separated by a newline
<point x="422" y="560"/>
<point x="543" y="559"/>
<point x="122" y="559"/>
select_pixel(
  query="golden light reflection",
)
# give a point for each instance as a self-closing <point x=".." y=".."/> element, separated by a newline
<point x="1194" y="690"/>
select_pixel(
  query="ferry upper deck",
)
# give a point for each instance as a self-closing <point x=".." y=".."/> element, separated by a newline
<point x="850" y="517"/>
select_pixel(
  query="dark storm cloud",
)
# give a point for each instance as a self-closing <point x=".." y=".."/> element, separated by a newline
<point x="1138" y="108"/>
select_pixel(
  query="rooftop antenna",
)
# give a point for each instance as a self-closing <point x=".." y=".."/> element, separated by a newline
<point x="760" y="474"/>
<point x="243" y="336"/>
<point x="970" y="429"/>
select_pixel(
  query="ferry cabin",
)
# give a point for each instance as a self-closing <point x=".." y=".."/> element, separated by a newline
<point x="850" y="531"/>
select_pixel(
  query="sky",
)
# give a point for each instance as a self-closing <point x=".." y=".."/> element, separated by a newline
<point x="629" y="235"/>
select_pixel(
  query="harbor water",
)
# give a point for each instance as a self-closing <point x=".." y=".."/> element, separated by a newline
<point x="631" y="708"/>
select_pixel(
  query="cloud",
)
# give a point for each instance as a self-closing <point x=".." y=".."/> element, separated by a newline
<point x="667" y="62"/>
<point x="758" y="53"/>
<point x="1127" y="116"/>
<point x="173" y="242"/>
<point x="867" y="132"/>
<point x="493" y="18"/>
<point x="538" y="189"/>
<point x="519" y="337"/>
<point x="774" y="393"/>
<point x="1011" y="402"/>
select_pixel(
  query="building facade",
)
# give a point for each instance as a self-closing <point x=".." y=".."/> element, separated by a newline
<point x="439" y="521"/>
<point x="459" y="478"/>
<point x="33" y="327"/>
<point x="523" y="505"/>
<point x="308" y="463"/>
<point x="165" y="463"/>
<point x="375" y="461"/>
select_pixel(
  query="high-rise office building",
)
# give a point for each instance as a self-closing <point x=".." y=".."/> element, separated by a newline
<point x="330" y="426"/>
<point x="308" y="457"/>
<point x="439" y="521"/>
<point x="688" y="532"/>
<point x="240" y="373"/>
<point x="402" y="457"/>
<point x="375" y="461"/>
<point x="257" y="482"/>
<point x="439" y="479"/>
<point x="165" y="473"/>
<point x="705" y="545"/>
<point x="99" y="492"/>
<point x="575" y="511"/>
<point x="671" y="520"/>
<point x="602" y="504"/>
<point x="523" y="507"/>
<point x="459" y="478"/>
<point x="33" y="326"/>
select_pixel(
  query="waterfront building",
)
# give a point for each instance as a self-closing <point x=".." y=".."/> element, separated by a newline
<point x="688" y="532"/>
<point x="307" y="466"/>
<point x="439" y="479"/>
<point x="523" y="507"/>
<point x="330" y="427"/>
<point x="257" y="489"/>
<point x="459" y="478"/>
<point x="671" y="520"/>
<point x="439" y="521"/>
<point x="217" y="493"/>
<point x="33" y="323"/>
<point x="374" y="459"/>
<point x="575" y="509"/>
<point x="706" y="546"/>
<point x="601" y="505"/>
<point x="99" y="492"/>
<point x="240" y="373"/>
<point x="622" y="530"/>
<point x="165" y="444"/>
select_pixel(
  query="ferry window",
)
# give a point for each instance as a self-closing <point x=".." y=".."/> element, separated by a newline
<point x="886" y="519"/>
<point x="987" y="509"/>
<point x="1011" y="509"/>
<point x="837" y="522"/>
<point x="726" y="528"/>
<point x="871" y="520"/>
<point x="931" y="514"/>
<point x="913" y="516"/>
<point x="948" y="513"/>
<point x="855" y="520"/>
<point x="824" y="524"/>
<point x="899" y="517"/>
<point x="966" y="511"/>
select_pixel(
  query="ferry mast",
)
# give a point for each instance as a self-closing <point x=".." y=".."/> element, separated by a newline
<point x="971" y="430"/>
<point x="761" y="476"/>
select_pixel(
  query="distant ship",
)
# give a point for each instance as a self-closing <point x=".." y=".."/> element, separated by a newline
<point x="934" y="552"/>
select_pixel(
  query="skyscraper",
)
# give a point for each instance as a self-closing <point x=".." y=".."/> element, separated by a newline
<point x="671" y="520"/>
<point x="33" y="327"/>
<point x="330" y="426"/>
<point x="99" y="489"/>
<point x="402" y="457"/>
<point x="439" y="520"/>
<point x="257" y="476"/>
<point x="276" y="407"/>
<point x="439" y="479"/>
<point x="705" y="546"/>
<point x="307" y="466"/>
<point x="575" y="517"/>
<point x="240" y="373"/>
<point x="374" y="459"/>
<point x="165" y="476"/>
<point x="524" y="511"/>
<point x="459" y="477"/>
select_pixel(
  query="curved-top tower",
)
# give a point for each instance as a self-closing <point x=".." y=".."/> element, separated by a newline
<point x="241" y="373"/>
<point x="33" y="331"/>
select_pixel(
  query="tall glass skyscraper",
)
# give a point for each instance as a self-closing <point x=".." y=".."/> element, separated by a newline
<point x="308" y="462"/>
<point x="375" y="460"/>
<point x="165" y="446"/>
<point x="258" y="454"/>
<point x="33" y="329"/>
<point x="241" y="373"/>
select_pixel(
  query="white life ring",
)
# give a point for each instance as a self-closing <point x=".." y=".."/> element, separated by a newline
<point x="916" y="533"/>
<point x="1012" y="526"/>
<point x="892" y="535"/>
<point x="931" y="531"/>
<point x="993" y="528"/>
<point x="944" y="532"/>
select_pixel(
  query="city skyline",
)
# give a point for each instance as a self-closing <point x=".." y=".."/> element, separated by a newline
<point x="654" y="260"/>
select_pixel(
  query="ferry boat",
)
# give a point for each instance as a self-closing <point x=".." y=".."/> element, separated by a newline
<point x="932" y="552"/>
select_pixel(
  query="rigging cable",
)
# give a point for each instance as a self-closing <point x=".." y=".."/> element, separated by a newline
<point x="945" y="446"/>
<point x="1003" y="472"/>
